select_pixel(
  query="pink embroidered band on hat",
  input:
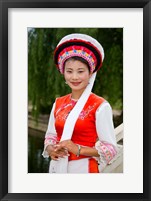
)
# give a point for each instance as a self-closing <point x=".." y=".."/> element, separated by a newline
<point x="79" y="51"/>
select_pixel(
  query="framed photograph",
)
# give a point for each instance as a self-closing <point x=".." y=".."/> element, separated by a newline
<point x="17" y="180"/>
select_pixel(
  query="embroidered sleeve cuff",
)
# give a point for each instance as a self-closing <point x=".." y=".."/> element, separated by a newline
<point x="106" y="151"/>
<point x="49" y="140"/>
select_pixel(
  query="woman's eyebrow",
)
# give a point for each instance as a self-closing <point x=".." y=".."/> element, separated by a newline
<point x="80" y="68"/>
<point x="68" y="68"/>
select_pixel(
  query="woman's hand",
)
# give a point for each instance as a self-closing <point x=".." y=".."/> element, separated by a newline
<point x="56" y="154"/>
<point x="73" y="148"/>
<point x="67" y="145"/>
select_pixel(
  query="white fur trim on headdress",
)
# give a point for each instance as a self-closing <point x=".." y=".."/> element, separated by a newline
<point x="85" y="38"/>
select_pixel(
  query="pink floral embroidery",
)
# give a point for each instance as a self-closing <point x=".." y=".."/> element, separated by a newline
<point x="85" y="113"/>
<point x="67" y="109"/>
<point x="49" y="139"/>
<point x="108" y="151"/>
<point x="63" y="107"/>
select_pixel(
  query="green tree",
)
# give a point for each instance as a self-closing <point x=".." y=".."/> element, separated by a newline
<point x="44" y="80"/>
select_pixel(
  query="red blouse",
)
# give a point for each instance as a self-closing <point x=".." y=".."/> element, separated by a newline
<point x="85" y="129"/>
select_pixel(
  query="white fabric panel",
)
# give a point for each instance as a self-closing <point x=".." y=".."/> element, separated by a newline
<point x="50" y="130"/>
<point x="78" y="166"/>
<point x="75" y="166"/>
<point x="51" y="124"/>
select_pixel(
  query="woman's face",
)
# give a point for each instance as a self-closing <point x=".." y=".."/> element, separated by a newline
<point x="76" y="74"/>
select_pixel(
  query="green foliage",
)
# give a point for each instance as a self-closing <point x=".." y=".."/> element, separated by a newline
<point x="45" y="83"/>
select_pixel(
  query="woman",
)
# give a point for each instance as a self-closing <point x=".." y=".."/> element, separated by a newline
<point x="80" y="132"/>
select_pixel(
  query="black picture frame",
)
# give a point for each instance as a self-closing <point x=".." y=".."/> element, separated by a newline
<point x="4" y="6"/>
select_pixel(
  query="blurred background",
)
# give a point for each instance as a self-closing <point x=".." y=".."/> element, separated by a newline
<point x="45" y="83"/>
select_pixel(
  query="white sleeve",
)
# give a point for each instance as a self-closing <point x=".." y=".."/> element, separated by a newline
<point x="51" y="135"/>
<point x="106" y="145"/>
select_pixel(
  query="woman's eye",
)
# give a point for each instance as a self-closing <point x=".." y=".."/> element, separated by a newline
<point x="81" y="71"/>
<point x="69" y="71"/>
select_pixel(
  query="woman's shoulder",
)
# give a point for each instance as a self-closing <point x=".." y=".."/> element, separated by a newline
<point x="97" y="98"/>
<point x="101" y="103"/>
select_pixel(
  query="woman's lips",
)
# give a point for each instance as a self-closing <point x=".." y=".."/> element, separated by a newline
<point x="75" y="83"/>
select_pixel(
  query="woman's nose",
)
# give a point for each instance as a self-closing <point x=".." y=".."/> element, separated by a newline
<point x="74" y="76"/>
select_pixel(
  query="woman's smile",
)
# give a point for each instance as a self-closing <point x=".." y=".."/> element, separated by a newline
<point x="75" y="83"/>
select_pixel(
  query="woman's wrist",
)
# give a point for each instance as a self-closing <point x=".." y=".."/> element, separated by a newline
<point x="89" y="151"/>
<point x="79" y="149"/>
<point x="49" y="148"/>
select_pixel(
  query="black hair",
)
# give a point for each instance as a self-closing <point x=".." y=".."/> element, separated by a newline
<point x="76" y="58"/>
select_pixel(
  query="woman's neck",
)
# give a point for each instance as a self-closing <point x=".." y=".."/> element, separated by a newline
<point x="76" y="94"/>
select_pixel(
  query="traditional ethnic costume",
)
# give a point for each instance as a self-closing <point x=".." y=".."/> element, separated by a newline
<point x="88" y="121"/>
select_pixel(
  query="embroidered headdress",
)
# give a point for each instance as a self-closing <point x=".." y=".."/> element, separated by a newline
<point x="80" y="45"/>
